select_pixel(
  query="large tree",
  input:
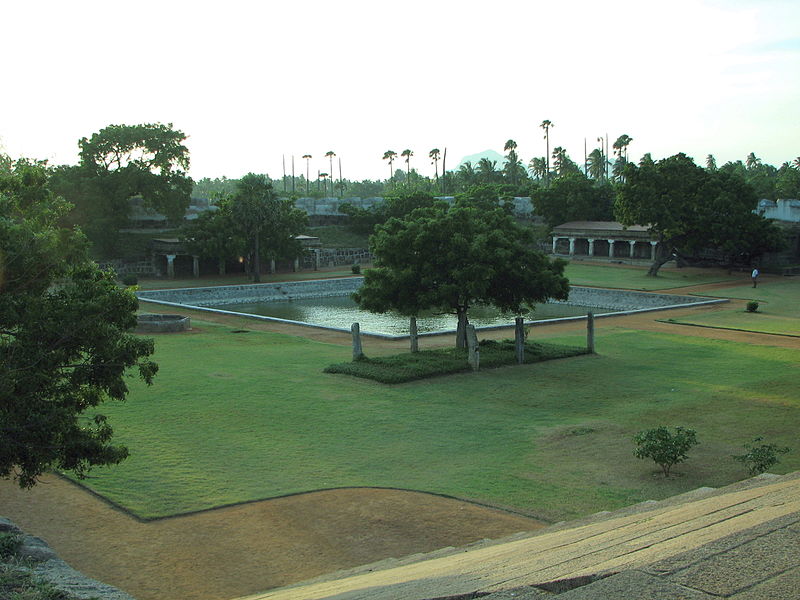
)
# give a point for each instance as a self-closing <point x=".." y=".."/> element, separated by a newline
<point x="450" y="258"/>
<point x="574" y="197"/>
<point x="65" y="341"/>
<point x="121" y="162"/>
<point x="690" y="209"/>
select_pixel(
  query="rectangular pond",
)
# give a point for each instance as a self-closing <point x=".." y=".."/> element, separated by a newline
<point x="326" y="303"/>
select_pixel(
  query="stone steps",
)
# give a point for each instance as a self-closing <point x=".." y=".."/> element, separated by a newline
<point x="574" y="553"/>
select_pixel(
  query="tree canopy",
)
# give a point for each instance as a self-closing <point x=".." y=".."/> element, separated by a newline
<point x="121" y="162"/>
<point x="450" y="258"/>
<point x="573" y="197"/>
<point x="690" y="209"/>
<point x="65" y="344"/>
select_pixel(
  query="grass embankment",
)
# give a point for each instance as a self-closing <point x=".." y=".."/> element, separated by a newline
<point x="777" y="309"/>
<point x="17" y="581"/>
<point x="401" y="368"/>
<point x="243" y="416"/>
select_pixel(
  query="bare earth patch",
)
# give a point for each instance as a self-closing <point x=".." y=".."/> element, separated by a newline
<point x="239" y="550"/>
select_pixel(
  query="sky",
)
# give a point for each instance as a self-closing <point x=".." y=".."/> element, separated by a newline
<point x="252" y="82"/>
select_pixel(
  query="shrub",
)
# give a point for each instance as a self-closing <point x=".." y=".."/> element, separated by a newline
<point x="9" y="544"/>
<point x="130" y="279"/>
<point x="664" y="447"/>
<point x="752" y="306"/>
<point x="356" y="269"/>
<point x="759" y="456"/>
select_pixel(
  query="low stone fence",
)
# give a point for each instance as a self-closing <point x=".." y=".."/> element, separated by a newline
<point x="336" y="257"/>
<point x="121" y="267"/>
<point x="623" y="300"/>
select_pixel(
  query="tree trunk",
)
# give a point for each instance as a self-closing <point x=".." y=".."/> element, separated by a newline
<point x="256" y="263"/>
<point x="662" y="256"/>
<point x="221" y="265"/>
<point x="461" y="329"/>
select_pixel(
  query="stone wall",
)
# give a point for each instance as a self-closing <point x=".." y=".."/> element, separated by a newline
<point x="121" y="266"/>
<point x="45" y="564"/>
<point x="336" y="257"/>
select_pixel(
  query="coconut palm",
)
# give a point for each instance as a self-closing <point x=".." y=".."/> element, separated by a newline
<point x="466" y="173"/>
<point x="434" y="156"/>
<point x="538" y="167"/>
<point x="711" y="163"/>
<point x="596" y="164"/>
<point x="407" y="154"/>
<point x="487" y="170"/>
<point x="308" y="166"/>
<point x="796" y="162"/>
<point x="330" y="154"/>
<point x="546" y="125"/>
<point x="621" y="150"/>
<point x="390" y="155"/>
<point x="512" y="160"/>
<point x="324" y="178"/>
<point x="752" y="161"/>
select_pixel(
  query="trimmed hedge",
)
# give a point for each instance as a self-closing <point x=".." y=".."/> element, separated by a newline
<point x="400" y="368"/>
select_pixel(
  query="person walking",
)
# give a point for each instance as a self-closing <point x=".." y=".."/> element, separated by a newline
<point x="754" y="276"/>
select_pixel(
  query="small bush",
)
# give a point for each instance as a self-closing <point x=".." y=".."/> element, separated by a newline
<point x="9" y="544"/>
<point x="752" y="306"/>
<point x="759" y="456"/>
<point x="130" y="279"/>
<point x="356" y="269"/>
<point x="664" y="447"/>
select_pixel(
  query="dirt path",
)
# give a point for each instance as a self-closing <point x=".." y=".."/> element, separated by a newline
<point x="239" y="550"/>
<point x="244" y="549"/>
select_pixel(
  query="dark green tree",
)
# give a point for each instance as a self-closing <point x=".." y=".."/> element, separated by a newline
<point x="214" y="235"/>
<point x="452" y="257"/>
<point x="573" y="197"/>
<point x="690" y="209"/>
<point x="665" y="447"/>
<point x="65" y="341"/>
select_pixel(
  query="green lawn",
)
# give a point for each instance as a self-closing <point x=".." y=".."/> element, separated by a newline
<point x="636" y="278"/>
<point x="243" y="416"/>
<point x="240" y="279"/>
<point x="778" y="310"/>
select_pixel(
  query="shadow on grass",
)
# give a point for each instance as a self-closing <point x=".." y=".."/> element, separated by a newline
<point x="401" y="368"/>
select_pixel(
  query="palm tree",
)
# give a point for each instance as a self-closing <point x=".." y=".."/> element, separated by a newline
<point x="434" y="156"/>
<point x="512" y="160"/>
<point x="546" y="125"/>
<point x="597" y="164"/>
<point x="538" y="167"/>
<point x="796" y="162"/>
<point x="330" y="154"/>
<point x="408" y="154"/>
<point x="487" y="170"/>
<point x="711" y="163"/>
<point x="621" y="150"/>
<point x="308" y="164"/>
<point x="389" y="155"/>
<point x="324" y="178"/>
<point x="466" y="172"/>
<point x="752" y="161"/>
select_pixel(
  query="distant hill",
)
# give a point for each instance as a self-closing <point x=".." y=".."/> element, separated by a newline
<point x="475" y="158"/>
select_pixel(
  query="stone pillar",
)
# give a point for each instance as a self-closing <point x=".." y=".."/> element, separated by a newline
<point x="591" y="246"/>
<point x="271" y="266"/>
<point x="555" y="241"/>
<point x="632" y="244"/>
<point x="196" y="266"/>
<point x="412" y="329"/>
<point x="572" y="246"/>
<point x="356" y="331"/>
<point x="296" y="265"/>
<point x="590" y="333"/>
<point x="316" y="259"/>
<point x="519" y="340"/>
<point x="611" y="248"/>
<point x="473" y="350"/>
<point x="171" y="266"/>
<point x="653" y="250"/>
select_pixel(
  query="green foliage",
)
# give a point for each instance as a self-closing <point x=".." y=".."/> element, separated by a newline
<point x="574" y="197"/>
<point x="665" y="447"/>
<point x="689" y="209"/>
<point x="121" y="162"/>
<point x="64" y="341"/>
<point x="401" y="368"/>
<point x="450" y="258"/>
<point x="356" y="269"/>
<point x="398" y="203"/>
<point x="752" y="306"/>
<point x="760" y="457"/>
<point x="9" y="544"/>
<point x="130" y="279"/>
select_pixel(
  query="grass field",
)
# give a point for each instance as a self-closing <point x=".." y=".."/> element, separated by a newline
<point x="636" y="278"/>
<point x="778" y="310"/>
<point x="244" y="416"/>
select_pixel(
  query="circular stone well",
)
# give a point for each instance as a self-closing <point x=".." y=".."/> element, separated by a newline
<point x="156" y="323"/>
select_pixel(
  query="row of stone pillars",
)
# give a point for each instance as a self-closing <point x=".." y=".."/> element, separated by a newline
<point x="196" y="266"/>
<point x="473" y="347"/>
<point x="611" y="242"/>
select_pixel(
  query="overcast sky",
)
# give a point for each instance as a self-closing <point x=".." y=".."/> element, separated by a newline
<point x="249" y="82"/>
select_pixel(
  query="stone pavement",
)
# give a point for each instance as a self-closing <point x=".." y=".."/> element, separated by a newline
<point x="740" y="542"/>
